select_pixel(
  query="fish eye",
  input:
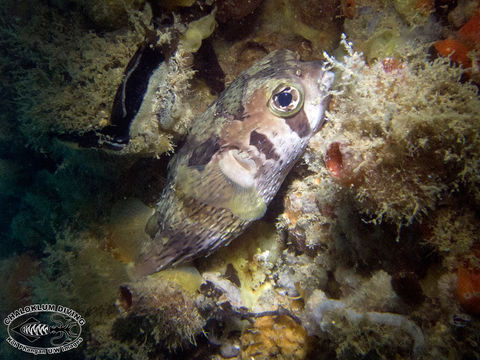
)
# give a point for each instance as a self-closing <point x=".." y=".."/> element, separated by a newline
<point x="286" y="100"/>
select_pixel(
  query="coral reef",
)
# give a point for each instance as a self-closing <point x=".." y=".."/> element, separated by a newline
<point x="423" y="112"/>
<point x="328" y="212"/>
<point x="78" y="95"/>
<point x="48" y="93"/>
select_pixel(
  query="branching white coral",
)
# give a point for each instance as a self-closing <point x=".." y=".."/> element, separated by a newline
<point x="350" y="68"/>
<point x="412" y="128"/>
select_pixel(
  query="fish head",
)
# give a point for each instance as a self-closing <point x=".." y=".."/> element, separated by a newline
<point x="239" y="152"/>
<point x="283" y="87"/>
<point x="282" y="104"/>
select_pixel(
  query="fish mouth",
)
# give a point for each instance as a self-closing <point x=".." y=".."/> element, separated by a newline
<point x="239" y="168"/>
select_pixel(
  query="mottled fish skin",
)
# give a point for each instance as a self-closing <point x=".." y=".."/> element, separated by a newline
<point x="235" y="158"/>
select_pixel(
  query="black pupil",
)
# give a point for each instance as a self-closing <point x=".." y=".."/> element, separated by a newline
<point x="284" y="99"/>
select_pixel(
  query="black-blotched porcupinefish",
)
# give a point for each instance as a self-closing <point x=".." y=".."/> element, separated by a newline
<point x="235" y="158"/>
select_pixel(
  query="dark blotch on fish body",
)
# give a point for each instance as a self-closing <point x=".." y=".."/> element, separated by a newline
<point x="263" y="145"/>
<point x="203" y="153"/>
<point x="299" y="124"/>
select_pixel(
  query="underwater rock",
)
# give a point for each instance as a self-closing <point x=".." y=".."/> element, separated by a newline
<point x="110" y="14"/>
<point x="306" y="27"/>
<point x="166" y="305"/>
<point x="236" y="157"/>
<point x="241" y="272"/>
<point x="243" y="54"/>
<point x="407" y="286"/>
<point x="319" y="15"/>
<point x="414" y="12"/>
<point x="207" y="67"/>
<point x="381" y="32"/>
<point x="152" y="105"/>
<point x="373" y="294"/>
<point x="309" y="209"/>
<point x="72" y="85"/>
<point x="406" y="131"/>
<point x="297" y="276"/>
<point x="451" y="230"/>
<point x="170" y="4"/>
<point x="231" y="293"/>
<point x="318" y="22"/>
<point x="235" y="10"/>
<point x="328" y="316"/>
<point x="464" y="9"/>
